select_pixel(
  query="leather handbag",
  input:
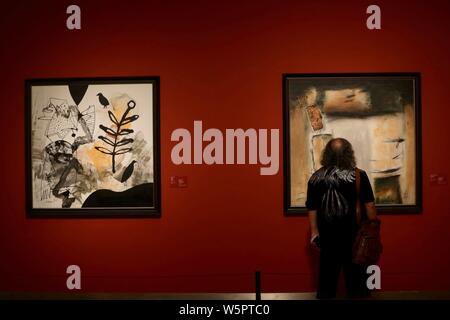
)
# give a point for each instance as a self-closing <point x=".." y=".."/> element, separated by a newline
<point x="367" y="247"/>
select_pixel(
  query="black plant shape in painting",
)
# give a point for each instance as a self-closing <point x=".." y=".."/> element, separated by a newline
<point x="119" y="145"/>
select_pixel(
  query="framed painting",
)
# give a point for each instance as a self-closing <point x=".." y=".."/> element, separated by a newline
<point x="92" y="146"/>
<point x="379" y="114"/>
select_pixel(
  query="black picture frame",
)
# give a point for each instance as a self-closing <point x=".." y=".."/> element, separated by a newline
<point x="323" y="81"/>
<point x="120" y="208"/>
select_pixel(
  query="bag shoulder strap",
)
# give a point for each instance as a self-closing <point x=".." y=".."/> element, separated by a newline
<point x="358" y="201"/>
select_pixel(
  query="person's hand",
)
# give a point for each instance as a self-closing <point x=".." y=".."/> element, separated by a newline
<point x="315" y="240"/>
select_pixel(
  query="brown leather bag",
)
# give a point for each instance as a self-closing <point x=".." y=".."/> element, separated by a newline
<point x="367" y="247"/>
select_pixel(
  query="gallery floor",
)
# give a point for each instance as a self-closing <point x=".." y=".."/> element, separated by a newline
<point x="386" y="295"/>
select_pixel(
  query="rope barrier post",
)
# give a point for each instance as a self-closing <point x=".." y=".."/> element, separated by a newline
<point x="258" y="285"/>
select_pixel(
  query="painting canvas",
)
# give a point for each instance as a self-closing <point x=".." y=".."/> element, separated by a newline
<point x="379" y="114"/>
<point x="93" y="146"/>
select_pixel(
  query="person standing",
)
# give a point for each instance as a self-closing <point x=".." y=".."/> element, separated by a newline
<point x="331" y="203"/>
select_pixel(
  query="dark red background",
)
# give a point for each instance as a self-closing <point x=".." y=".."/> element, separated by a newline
<point x="220" y="62"/>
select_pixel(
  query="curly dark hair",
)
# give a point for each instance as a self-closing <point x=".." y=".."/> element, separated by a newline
<point x="338" y="152"/>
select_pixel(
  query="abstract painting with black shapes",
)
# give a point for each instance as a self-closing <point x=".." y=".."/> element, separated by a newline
<point x="92" y="145"/>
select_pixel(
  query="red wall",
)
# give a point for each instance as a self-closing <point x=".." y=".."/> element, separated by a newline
<point x="220" y="62"/>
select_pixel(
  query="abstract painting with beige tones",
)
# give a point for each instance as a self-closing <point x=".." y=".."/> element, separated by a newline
<point x="92" y="145"/>
<point x="377" y="114"/>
